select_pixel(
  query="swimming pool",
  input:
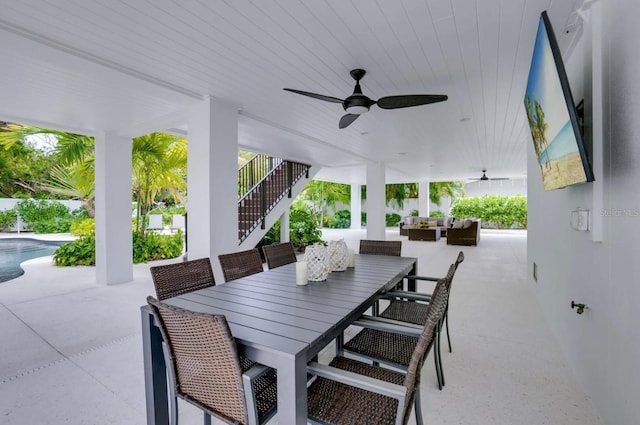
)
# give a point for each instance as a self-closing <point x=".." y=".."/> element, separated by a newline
<point x="14" y="251"/>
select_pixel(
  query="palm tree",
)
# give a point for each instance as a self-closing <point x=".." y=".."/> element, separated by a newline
<point x="439" y="190"/>
<point x="159" y="162"/>
<point x="325" y="195"/>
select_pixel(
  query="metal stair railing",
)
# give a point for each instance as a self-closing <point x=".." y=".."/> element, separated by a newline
<point x="255" y="170"/>
<point x="264" y="195"/>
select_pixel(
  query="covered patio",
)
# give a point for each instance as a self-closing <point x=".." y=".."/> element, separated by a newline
<point x="72" y="348"/>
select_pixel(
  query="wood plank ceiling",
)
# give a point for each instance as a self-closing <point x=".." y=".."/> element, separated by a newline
<point x="132" y="66"/>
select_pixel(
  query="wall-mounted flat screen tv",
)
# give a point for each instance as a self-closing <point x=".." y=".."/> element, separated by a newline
<point x="552" y="115"/>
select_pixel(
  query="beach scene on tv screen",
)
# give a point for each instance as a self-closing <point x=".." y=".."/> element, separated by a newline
<point x="554" y="140"/>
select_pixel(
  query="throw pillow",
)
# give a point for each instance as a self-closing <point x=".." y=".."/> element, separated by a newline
<point x="457" y="224"/>
<point x="467" y="223"/>
<point x="408" y="220"/>
<point x="433" y="223"/>
<point x="448" y="222"/>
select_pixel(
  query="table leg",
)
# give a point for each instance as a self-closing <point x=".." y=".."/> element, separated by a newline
<point x="292" y="391"/>
<point x="155" y="374"/>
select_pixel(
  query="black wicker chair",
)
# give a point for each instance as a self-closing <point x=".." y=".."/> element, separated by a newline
<point x="175" y="279"/>
<point x="393" y="345"/>
<point x="368" y="246"/>
<point x="240" y="264"/>
<point x="280" y="254"/>
<point x="348" y="391"/>
<point x="204" y="368"/>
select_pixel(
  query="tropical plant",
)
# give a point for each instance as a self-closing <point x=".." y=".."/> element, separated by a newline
<point x="392" y="219"/>
<point x="303" y="228"/>
<point x="439" y="190"/>
<point x="8" y="219"/>
<point x="325" y="195"/>
<point x="159" y="162"/>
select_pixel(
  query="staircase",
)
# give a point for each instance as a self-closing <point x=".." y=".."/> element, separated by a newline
<point x="262" y="183"/>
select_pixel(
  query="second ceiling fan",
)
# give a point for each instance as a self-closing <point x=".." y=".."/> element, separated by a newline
<point x="358" y="103"/>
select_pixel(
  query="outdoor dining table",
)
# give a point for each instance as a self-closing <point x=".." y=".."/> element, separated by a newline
<point x="277" y="323"/>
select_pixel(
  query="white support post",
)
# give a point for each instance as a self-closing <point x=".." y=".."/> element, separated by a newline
<point x="114" y="252"/>
<point x="284" y="226"/>
<point x="423" y="199"/>
<point x="356" y="206"/>
<point x="212" y="181"/>
<point x="376" y="201"/>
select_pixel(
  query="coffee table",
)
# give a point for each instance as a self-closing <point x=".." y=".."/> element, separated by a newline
<point x="426" y="234"/>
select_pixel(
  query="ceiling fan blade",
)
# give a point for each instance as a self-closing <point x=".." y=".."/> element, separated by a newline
<point x="346" y="120"/>
<point x="316" y="96"/>
<point x="407" y="100"/>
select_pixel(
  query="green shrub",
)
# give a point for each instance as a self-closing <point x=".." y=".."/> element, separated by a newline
<point x="81" y="252"/>
<point x="8" y="219"/>
<point x="415" y="213"/>
<point x="83" y="227"/>
<point x="436" y="214"/>
<point x="494" y="211"/>
<point x="392" y="219"/>
<point x="44" y="217"/>
<point x="156" y="247"/>
<point x="303" y="226"/>
<point x="363" y="217"/>
<point x="342" y="219"/>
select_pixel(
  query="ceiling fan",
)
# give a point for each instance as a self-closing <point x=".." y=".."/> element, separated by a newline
<point x="485" y="178"/>
<point x="358" y="103"/>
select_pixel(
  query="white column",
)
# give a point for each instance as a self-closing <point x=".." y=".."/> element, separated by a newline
<point x="356" y="206"/>
<point x="423" y="199"/>
<point x="284" y="226"/>
<point x="212" y="181"/>
<point x="375" y="201"/>
<point x="114" y="246"/>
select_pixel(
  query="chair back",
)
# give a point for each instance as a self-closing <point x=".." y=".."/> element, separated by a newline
<point x="240" y="264"/>
<point x="420" y="353"/>
<point x="279" y="254"/>
<point x="204" y="360"/>
<point x="176" y="279"/>
<point x="392" y="248"/>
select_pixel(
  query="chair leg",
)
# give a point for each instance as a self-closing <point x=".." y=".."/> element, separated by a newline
<point x="418" y="407"/>
<point x="173" y="413"/>
<point x="207" y="419"/>
<point x="446" y="320"/>
<point x="437" y="363"/>
<point x="439" y="352"/>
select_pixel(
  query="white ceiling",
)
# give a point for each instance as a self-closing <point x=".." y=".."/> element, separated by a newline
<point x="134" y="66"/>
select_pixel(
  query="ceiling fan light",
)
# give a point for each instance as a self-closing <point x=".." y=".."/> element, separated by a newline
<point x="356" y="109"/>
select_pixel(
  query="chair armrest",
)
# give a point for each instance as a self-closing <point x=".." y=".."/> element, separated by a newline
<point x="388" y="325"/>
<point x="256" y="371"/>
<point x="416" y="277"/>
<point x="359" y="381"/>
<point x="408" y="295"/>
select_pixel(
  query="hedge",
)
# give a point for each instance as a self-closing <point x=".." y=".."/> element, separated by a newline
<point x="494" y="211"/>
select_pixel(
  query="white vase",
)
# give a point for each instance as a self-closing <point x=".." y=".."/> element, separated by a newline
<point x="317" y="262"/>
<point x="338" y="255"/>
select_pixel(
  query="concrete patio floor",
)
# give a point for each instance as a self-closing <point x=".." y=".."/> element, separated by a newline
<point x="71" y="350"/>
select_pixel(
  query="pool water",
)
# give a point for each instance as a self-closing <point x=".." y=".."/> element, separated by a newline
<point x="15" y="251"/>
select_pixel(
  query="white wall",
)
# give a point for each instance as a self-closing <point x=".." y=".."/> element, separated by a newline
<point x="603" y="344"/>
